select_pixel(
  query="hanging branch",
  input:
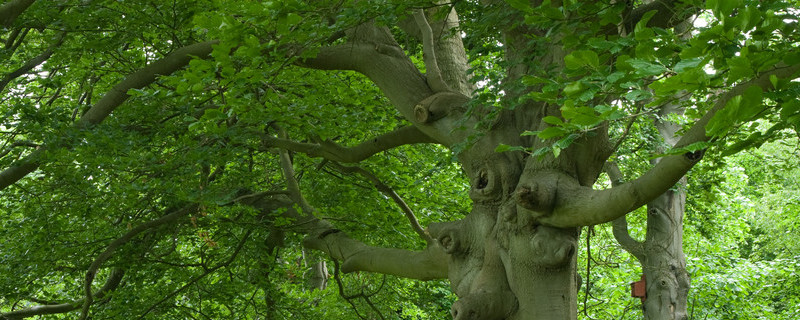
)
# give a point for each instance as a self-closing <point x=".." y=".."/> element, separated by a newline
<point x="619" y="226"/>
<point x="388" y="191"/>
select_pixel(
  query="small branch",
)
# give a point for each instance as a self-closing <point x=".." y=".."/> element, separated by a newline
<point x="95" y="266"/>
<point x="388" y="191"/>
<point x="18" y="144"/>
<point x="434" y="74"/>
<point x="291" y="181"/>
<point x="364" y="150"/>
<point x="33" y="63"/>
<point x="200" y="277"/>
<point x="113" y="281"/>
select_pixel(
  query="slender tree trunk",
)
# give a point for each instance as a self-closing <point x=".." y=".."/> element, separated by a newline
<point x="661" y="253"/>
<point x="664" y="263"/>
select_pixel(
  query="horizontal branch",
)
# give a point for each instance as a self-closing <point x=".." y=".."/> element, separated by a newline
<point x="111" y="100"/>
<point x="15" y="144"/>
<point x="113" y="281"/>
<point x="428" y="264"/>
<point x="334" y="152"/>
<point x="567" y="204"/>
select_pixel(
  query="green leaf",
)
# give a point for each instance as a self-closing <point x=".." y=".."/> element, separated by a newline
<point x="685" y="64"/>
<point x="646" y="68"/>
<point x="582" y="58"/>
<point x="790" y="108"/>
<point x="504" y="147"/>
<point x="642" y="24"/>
<point x="723" y="119"/>
<point x="751" y="105"/>
<point x="556" y="121"/>
<point x="551" y="132"/>
<point x="739" y="69"/>
<point x="574" y="88"/>
<point x="521" y="5"/>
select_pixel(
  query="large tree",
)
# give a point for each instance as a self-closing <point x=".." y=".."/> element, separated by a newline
<point x="146" y="137"/>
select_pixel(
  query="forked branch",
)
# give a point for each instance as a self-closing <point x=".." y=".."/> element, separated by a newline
<point x="112" y="283"/>
<point x="568" y="202"/>
<point x="434" y="74"/>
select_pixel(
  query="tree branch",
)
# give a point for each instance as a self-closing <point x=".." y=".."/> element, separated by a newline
<point x="619" y="226"/>
<point x="669" y="13"/>
<point x="18" y="144"/>
<point x="33" y="63"/>
<point x="98" y="261"/>
<point x="566" y="203"/>
<point x="334" y="152"/>
<point x="11" y="10"/>
<point x="112" y="99"/>
<point x="225" y="263"/>
<point x="434" y="74"/>
<point x="428" y="264"/>
<point x="113" y="281"/>
<point x="388" y="191"/>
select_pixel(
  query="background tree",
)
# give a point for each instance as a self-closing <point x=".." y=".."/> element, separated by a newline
<point x="161" y="157"/>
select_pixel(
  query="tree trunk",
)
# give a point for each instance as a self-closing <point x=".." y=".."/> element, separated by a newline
<point x="661" y="253"/>
<point x="663" y="262"/>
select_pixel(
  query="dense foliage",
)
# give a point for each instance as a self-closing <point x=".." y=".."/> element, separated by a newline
<point x="150" y="204"/>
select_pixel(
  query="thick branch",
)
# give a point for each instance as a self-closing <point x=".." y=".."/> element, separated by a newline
<point x="571" y="202"/>
<point x="357" y="256"/>
<point x="334" y="152"/>
<point x="115" y="97"/>
<point x="11" y="10"/>
<point x="113" y="281"/>
<point x="373" y="52"/>
<point x="428" y="264"/>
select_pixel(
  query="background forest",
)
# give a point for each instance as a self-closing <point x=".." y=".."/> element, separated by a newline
<point x="157" y="210"/>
